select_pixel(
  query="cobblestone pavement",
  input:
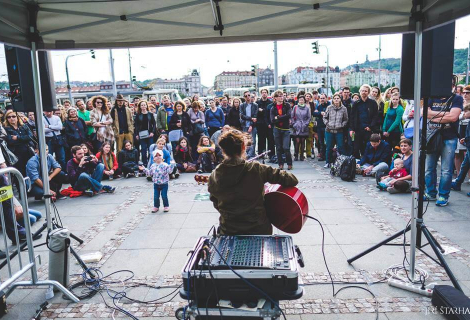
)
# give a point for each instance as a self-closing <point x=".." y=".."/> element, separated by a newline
<point x="154" y="246"/>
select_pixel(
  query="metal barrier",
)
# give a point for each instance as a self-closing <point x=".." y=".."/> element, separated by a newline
<point x="7" y="286"/>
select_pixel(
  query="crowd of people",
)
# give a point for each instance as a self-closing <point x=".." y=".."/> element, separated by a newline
<point x="96" y="140"/>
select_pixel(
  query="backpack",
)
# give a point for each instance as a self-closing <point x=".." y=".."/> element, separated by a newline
<point x="336" y="166"/>
<point x="347" y="170"/>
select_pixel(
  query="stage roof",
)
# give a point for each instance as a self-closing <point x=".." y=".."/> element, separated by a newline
<point x="92" y="24"/>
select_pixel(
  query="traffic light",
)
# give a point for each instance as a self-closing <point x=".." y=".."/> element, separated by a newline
<point x="253" y="70"/>
<point x="92" y="54"/>
<point x="315" y="47"/>
<point x="323" y="82"/>
<point x="134" y="79"/>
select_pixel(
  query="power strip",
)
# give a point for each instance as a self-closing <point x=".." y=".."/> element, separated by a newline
<point x="427" y="291"/>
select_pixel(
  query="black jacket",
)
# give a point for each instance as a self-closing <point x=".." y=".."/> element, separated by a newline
<point x="75" y="132"/>
<point x="263" y="113"/>
<point x="185" y="123"/>
<point x="374" y="156"/>
<point x="317" y="113"/>
<point x="281" y="122"/>
<point x="140" y="120"/>
<point x="233" y="118"/>
<point x="125" y="155"/>
<point x="24" y="140"/>
<point x="254" y="113"/>
<point x="372" y="109"/>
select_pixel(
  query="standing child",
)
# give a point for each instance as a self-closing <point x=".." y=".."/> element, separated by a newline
<point x="160" y="173"/>
<point x="397" y="172"/>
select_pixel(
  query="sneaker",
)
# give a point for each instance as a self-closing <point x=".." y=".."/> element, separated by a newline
<point x="128" y="175"/>
<point x="427" y="197"/>
<point x="89" y="193"/>
<point x="296" y="158"/>
<point x="468" y="194"/>
<point x="155" y="209"/>
<point x="177" y="175"/>
<point x="166" y="209"/>
<point x="281" y="167"/>
<point x="136" y="174"/>
<point x="109" y="189"/>
<point x="455" y="186"/>
<point x="326" y="166"/>
<point x="442" y="202"/>
<point x="312" y="156"/>
<point x="60" y="196"/>
<point x="149" y="178"/>
<point x="302" y="158"/>
<point x="289" y="167"/>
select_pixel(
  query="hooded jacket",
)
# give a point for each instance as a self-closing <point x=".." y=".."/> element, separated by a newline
<point x="236" y="189"/>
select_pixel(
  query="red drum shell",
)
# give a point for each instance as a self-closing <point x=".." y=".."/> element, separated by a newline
<point x="286" y="207"/>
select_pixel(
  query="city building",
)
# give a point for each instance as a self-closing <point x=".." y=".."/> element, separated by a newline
<point x="189" y="85"/>
<point x="265" y="77"/>
<point x="234" y="79"/>
<point x="312" y="75"/>
<point x="357" y="77"/>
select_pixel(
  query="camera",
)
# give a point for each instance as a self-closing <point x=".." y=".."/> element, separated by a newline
<point x="88" y="158"/>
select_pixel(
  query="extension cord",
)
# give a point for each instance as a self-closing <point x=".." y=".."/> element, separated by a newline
<point x="427" y="291"/>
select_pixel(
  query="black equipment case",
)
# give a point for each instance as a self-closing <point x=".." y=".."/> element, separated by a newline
<point x="260" y="266"/>
<point x="451" y="303"/>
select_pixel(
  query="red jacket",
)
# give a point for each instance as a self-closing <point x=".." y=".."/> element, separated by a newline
<point x="115" y="163"/>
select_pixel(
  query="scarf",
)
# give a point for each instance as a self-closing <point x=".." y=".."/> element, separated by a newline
<point x="107" y="161"/>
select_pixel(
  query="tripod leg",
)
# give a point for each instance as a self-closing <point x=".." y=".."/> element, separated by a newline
<point x="81" y="263"/>
<point x="439" y="255"/>
<point x="436" y="242"/>
<point x="378" y="245"/>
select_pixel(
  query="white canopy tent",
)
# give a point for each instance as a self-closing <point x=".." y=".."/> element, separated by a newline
<point x="93" y="24"/>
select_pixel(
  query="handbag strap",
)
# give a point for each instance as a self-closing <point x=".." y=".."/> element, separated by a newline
<point x="53" y="133"/>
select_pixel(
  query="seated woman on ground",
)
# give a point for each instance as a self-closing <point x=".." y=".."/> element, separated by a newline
<point x="109" y="160"/>
<point x="183" y="157"/>
<point x="402" y="184"/>
<point x="128" y="161"/>
<point x="207" y="159"/>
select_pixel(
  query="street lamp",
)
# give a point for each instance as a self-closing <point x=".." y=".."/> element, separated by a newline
<point x="69" y="89"/>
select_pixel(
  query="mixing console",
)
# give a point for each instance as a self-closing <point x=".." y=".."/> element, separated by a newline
<point x="250" y="252"/>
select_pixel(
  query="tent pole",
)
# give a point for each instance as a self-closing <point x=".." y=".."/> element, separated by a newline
<point x="276" y="80"/>
<point x="416" y="145"/>
<point x="41" y="133"/>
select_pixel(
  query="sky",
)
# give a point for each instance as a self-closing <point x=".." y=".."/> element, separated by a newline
<point x="176" y="61"/>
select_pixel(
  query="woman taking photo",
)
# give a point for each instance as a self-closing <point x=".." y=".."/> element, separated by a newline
<point x="197" y="126"/>
<point x="19" y="140"/>
<point x="393" y="125"/>
<point x="233" y="115"/>
<point x="236" y="188"/>
<point x="179" y="121"/>
<point x="145" y="127"/>
<point x="215" y="118"/>
<point x="101" y="120"/>
<point x="109" y="160"/>
<point x="301" y="115"/>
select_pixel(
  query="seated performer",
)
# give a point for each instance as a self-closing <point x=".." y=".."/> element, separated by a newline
<point x="236" y="188"/>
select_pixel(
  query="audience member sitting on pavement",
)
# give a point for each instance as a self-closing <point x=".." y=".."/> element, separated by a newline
<point x="33" y="215"/>
<point x="160" y="173"/>
<point x="206" y="149"/>
<point x="183" y="156"/>
<point x="397" y="172"/>
<point x="109" y="160"/>
<point x="85" y="173"/>
<point x="377" y="156"/>
<point x="456" y="185"/>
<point x="56" y="176"/>
<point x="128" y="160"/>
<point x="402" y="184"/>
<point x="167" y="146"/>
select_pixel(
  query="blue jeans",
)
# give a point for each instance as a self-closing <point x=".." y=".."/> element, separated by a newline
<point x="144" y="149"/>
<point x="34" y="216"/>
<point x="331" y="140"/>
<point x="93" y="182"/>
<point x="59" y="152"/>
<point x="282" y="141"/>
<point x="447" y="155"/>
<point x="253" y="139"/>
<point x="163" y="190"/>
<point x="464" y="168"/>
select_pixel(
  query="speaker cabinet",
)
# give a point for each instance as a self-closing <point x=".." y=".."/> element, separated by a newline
<point x="20" y="76"/>
<point x="437" y="63"/>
